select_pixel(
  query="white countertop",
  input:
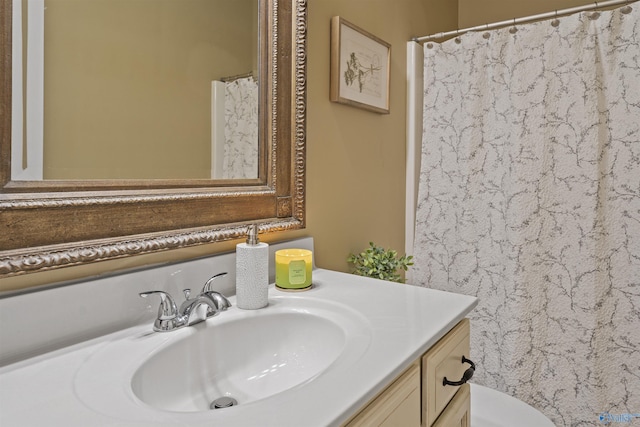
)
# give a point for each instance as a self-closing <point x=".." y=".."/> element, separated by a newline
<point x="405" y="321"/>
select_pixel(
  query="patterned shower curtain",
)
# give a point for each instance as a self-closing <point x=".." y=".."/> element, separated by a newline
<point x="529" y="199"/>
<point x="241" y="129"/>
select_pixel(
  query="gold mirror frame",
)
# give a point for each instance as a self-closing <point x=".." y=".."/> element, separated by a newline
<point x="51" y="224"/>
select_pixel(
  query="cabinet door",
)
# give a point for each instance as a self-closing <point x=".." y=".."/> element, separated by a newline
<point x="444" y="359"/>
<point x="397" y="405"/>
<point x="458" y="413"/>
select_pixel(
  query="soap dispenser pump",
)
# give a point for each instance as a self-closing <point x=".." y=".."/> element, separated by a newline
<point x="252" y="272"/>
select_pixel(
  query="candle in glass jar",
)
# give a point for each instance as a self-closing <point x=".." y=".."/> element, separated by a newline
<point x="293" y="268"/>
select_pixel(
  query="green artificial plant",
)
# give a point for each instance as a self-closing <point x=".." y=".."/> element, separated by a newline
<point x="380" y="263"/>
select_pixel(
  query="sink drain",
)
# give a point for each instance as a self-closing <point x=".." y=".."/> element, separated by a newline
<point x="223" y="402"/>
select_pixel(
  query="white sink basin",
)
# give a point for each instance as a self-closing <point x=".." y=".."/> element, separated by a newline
<point x="246" y="358"/>
<point x="257" y="357"/>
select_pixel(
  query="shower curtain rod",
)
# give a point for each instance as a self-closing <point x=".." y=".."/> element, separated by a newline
<point x="230" y="79"/>
<point x="562" y="12"/>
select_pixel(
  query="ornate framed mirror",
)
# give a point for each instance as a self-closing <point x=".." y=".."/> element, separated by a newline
<point x="53" y="223"/>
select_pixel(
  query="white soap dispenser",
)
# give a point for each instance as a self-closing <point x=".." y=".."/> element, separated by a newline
<point x="252" y="272"/>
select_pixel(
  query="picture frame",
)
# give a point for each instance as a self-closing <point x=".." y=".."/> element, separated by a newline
<point x="360" y="67"/>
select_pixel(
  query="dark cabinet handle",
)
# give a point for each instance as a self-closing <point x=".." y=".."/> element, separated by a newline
<point x="465" y="377"/>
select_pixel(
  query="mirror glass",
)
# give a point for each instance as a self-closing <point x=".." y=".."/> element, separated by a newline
<point x="135" y="89"/>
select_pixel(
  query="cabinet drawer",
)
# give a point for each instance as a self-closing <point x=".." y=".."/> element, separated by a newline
<point x="458" y="413"/>
<point x="444" y="359"/>
<point x="398" y="405"/>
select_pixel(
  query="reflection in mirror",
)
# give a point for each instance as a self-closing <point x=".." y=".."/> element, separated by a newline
<point x="135" y="89"/>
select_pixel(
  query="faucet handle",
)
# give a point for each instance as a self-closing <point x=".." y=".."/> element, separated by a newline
<point x="208" y="286"/>
<point x="168" y="309"/>
<point x="167" y="312"/>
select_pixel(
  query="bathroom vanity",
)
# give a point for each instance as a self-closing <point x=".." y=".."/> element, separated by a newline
<point x="351" y="351"/>
<point x="418" y="397"/>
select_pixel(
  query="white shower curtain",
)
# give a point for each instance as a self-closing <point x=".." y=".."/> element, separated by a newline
<point x="529" y="198"/>
<point x="241" y="129"/>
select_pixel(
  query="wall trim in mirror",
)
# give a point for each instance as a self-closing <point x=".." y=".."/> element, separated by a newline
<point x="51" y="224"/>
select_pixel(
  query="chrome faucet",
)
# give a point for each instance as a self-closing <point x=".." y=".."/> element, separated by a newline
<point x="193" y="310"/>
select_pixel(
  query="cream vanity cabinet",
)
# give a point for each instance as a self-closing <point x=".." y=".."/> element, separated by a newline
<point x="418" y="397"/>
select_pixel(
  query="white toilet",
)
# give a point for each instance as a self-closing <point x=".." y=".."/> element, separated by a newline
<point x="491" y="408"/>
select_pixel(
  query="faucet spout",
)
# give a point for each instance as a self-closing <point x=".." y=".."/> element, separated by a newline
<point x="197" y="309"/>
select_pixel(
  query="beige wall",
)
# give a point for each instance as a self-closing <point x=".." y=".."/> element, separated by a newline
<point x="479" y="12"/>
<point x="356" y="158"/>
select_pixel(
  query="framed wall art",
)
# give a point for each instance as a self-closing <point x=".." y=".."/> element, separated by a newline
<point x="360" y="64"/>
